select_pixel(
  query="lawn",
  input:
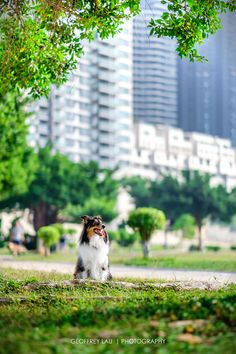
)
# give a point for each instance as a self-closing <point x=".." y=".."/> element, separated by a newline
<point x="42" y="320"/>
<point x="221" y="260"/>
<point x="117" y="254"/>
<point x="224" y="260"/>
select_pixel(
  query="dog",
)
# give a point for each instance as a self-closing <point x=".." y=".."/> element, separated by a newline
<point x="16" y="249"/>
<point x="93" y="260"/>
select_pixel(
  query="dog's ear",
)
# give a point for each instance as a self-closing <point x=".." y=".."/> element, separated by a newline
<point x="85" y="218"/>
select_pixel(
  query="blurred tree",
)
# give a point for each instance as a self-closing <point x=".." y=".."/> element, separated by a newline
<point x="41" y="40"/>
<point x="106" y="186"/>
<point x="146" y="221"/>
<point x="166" y="195"/>
<point x="92" y="206"/>
<point x="231" y="204"/>
<point x="139" y="189"/>
<point x="233" y="223"/>
<point x="17" y="161"/>
<point x="223" y="209"/>
<point x="50" y="190"/>
<point x="186" y="224"/>
<point x="58" y="182"/>
<point x="201" y="201"/>
<point x="192" y="194"/>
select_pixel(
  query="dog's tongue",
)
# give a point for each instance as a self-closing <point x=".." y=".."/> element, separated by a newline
<point x="99" y="232"/>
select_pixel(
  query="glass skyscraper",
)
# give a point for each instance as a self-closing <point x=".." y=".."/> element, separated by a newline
<point x="207" y="91"/>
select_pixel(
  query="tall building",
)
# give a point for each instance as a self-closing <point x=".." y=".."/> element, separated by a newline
<point x="155" y="70"/>
<point x="90" y="117"/>
<point x="207" y="91"/>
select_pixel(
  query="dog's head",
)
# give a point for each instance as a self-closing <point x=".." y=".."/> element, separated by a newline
<point x="93" y="226"/>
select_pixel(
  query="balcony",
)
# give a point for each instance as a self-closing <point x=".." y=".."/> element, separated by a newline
<point x="107" y="88"/>
<point x="106" y="126"/>
<point x="107" y="101"/>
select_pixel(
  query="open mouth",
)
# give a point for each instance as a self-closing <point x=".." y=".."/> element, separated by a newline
<point x="99" y="232"/>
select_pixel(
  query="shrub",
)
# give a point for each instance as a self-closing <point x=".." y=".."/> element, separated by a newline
<point x="113" y="235"/>
<point x="193" y="248"/>
<point x="59" y="228"/>
<point x="145" y="221"/>
<point x="2" y="243"/>
<point x="50" y="236"/>
<point x="213" y="248"/>
<point x="72" y="244"/>
<point x="126" y="238"/>
<point x="70" y="231"/>
<point x="123" y="237"/>
<point x="233" y="247"/>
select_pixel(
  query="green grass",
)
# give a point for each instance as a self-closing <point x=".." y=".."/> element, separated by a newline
<point x="67" y="257"/>
<point x="48" y="319"/>
<point x="221" y="261"/>
<point x="224" y="260"/>
<point x="117" y="254"/>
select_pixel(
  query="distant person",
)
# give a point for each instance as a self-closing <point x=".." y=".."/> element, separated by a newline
<point x="17" y="238"/>
<point x="62" y="242"/>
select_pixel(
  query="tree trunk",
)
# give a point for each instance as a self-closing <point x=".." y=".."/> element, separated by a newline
<point x="200" y="242"/>
<point x="167" y="226"/>
<point x="145" y="249"/>
<point x="43" y="215"/>
<point x="51" y="216"/>
<point x="165" y="238"/>
<point x="39" y="218"/>
<point x="47" y="251"/>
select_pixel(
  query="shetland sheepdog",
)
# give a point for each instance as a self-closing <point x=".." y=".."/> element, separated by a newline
<point x="93" y="260"/>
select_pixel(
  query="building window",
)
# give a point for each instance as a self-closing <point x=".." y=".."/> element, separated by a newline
<point x="84" y="119"/>
<point x="70" y="143"/>
<point x="83" y="131"/>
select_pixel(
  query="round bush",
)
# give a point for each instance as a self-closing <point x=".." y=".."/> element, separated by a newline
<point x="49" y="234"/>
<point x="146" y="221"/>
<point x="59" y="228"/>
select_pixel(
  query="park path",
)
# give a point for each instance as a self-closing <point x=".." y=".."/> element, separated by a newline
<point x="121" y="271"/>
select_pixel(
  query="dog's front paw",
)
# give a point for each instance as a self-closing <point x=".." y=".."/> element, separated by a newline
<point x="76" y="276"/>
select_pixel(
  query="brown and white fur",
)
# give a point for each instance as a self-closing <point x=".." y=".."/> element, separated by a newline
<point x="93" y="260"/>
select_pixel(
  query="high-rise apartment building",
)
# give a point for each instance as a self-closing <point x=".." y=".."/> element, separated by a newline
<point x="155" y="70"/>
<point x="207" y="91"/>
<point x="90" y="117"/>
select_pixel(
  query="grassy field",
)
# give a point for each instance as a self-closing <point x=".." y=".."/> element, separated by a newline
<point x="221" y="260"/>
<point x="45" y="320"/>
<point x="224" y="260"/>
<point x="117" y="254"/>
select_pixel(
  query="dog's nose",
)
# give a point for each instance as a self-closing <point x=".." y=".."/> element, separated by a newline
<point x="103" y="226"/>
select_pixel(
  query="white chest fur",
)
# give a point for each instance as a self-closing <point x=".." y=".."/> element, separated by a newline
<point x="95" y="257"/>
